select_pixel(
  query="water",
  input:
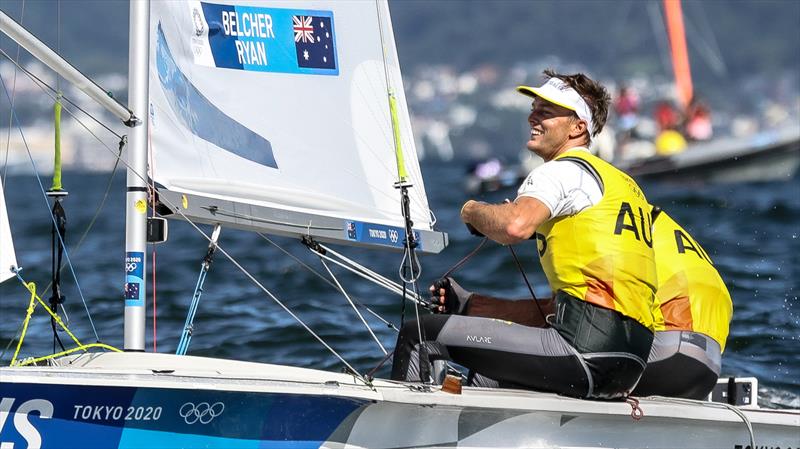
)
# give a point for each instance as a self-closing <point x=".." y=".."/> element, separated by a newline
<point x="751" y="232"/>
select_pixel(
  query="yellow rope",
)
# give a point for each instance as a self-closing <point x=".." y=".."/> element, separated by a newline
<point x="29" y="314"/>
<point x="398" y="143"/>
<point x="31" y="286"/>
<point x="32" y="361"/>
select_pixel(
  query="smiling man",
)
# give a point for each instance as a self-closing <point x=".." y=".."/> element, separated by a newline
<point x="591" y="224"/>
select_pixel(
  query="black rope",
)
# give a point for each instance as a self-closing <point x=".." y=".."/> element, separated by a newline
<point x="464" y="260"/>
<point x="59" y="233"/>
<point x="530" y="289"/>
<point x="370" y="375"/>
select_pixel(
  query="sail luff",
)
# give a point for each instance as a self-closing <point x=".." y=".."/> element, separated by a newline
<point x="50" y="58"/>
<point x="8" y="258"/>
<point x="680" y="55"/>
<point x="136" y="195"/>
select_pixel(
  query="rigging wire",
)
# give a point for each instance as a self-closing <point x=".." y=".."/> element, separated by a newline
<point x="280" y="303"/>
<point x="13" y="97"/>
<point x="89" y="227"/>
<point x="366" y="273"/>
<point x="41" y="84"/>
<point x="410" y="268"/>
<point x="326" y="280"/>
<point x="355" y="309"/>
<point x="53" y="219"/>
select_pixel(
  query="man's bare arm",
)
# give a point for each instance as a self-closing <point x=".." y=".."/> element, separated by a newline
<point x="507" y="223"/>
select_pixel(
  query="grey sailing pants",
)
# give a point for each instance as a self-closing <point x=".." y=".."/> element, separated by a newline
<point x="681" y="364"/>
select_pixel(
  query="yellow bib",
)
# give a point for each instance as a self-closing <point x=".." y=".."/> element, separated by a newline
<point x="604" y="253"/>
<point x="691" y="294"/>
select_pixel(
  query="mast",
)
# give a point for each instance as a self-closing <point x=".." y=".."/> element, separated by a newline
<point x="136" y="195"/>
<point x="680" y="55"/>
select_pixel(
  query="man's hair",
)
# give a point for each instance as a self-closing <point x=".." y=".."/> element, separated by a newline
<point x="592" y="92"/>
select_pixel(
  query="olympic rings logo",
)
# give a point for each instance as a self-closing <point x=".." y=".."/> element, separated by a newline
<point x="394" y="236"/>
<point x="202" y="412"/>
<point x="130" y="267"/>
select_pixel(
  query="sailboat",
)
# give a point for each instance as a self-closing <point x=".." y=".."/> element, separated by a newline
<point x="768" y="155"/>
<point x="289" y="118"/>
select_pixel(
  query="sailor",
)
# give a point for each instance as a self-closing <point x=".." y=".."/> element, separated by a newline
<point x="691" y="320"/>
<point x="592" y="226"/>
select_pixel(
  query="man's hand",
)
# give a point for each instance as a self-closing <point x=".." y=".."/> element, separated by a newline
<point x="449" y="297"/>
<point x="474" y="231"/>
<point x="507" y="223"/>
<point x="471" y="228"/>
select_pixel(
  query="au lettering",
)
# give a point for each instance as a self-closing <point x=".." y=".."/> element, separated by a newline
<point x="626" y="221"/>
<point x="541" y="243"/>
<point x="684" y="243"/>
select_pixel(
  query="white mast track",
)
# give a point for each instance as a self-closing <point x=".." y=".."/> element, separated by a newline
<point x="58" y="64"/>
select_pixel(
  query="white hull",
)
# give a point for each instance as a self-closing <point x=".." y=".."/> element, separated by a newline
<point x="390" y="415"/>
<point x="768" y="156"/>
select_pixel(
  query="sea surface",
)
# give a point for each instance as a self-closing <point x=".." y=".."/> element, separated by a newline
<point x="751" y="231"/>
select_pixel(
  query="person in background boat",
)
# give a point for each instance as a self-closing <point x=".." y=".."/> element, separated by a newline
<point x="666" y="116"/>
<point x="592" y="226"/>
<point x="626" y="106"/>
<point x="691" y="320"/>
<point x="698" y="121"/>
<point x="669" y="140"/>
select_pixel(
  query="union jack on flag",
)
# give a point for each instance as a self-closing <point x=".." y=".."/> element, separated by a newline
<point x="314" y="42"/>
<point x="303" y="30"/>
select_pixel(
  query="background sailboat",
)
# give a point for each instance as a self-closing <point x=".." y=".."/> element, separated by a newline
<point x="770" y="155"/>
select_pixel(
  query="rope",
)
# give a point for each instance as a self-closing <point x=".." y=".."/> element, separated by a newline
<point x="53" y="218"/>
<point x="464" y="260"/>
<point x="34" y="300"/>
<point x="85" y="232"/>
<point x="732" y="408"/>
<point x="57" y="151"/>
<point x="85" y="348"/>
<point x="188" y="327"/>
<point x="530" y="289"/>
<point x="636" y="412"/>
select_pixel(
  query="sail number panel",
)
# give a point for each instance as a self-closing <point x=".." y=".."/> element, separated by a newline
<point x="298" y="41"/>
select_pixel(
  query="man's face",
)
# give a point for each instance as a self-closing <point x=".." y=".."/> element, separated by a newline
<point x="550" y="128"/>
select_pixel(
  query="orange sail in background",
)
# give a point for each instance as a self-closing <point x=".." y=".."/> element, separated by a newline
<point x="680" y="56"/>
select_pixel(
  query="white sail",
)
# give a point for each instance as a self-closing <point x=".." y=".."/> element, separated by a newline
<point x="283" y="105"/>
<point x="8" y="258"/>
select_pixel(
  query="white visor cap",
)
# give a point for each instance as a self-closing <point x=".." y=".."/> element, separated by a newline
<point x="558" y="92"/>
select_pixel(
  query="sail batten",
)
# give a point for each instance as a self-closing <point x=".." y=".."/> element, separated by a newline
<point x="283" y="105"/>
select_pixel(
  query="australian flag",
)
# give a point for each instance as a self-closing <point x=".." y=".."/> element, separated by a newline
<point x="131" y="290"/>
<point x="313" y="41"/>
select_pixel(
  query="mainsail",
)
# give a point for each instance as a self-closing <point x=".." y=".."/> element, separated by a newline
<point x="278" y="119"/>
<point x="8" y="258"/>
